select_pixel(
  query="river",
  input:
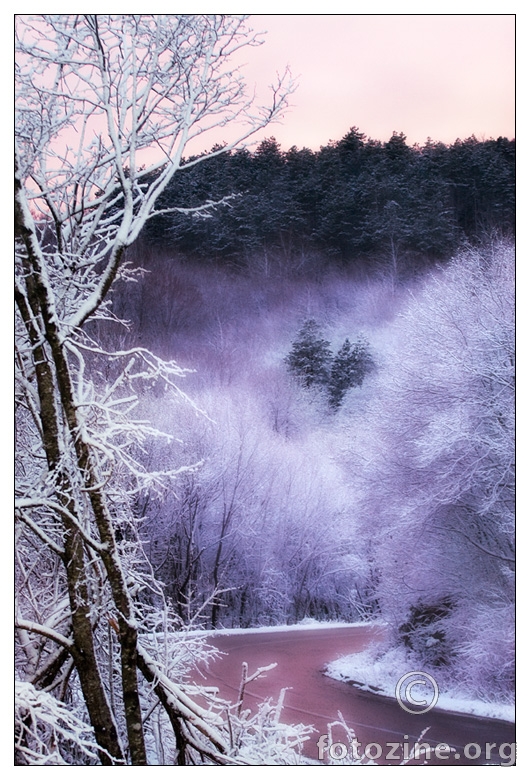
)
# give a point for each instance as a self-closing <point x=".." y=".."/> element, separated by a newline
<point x="315" y="699"/>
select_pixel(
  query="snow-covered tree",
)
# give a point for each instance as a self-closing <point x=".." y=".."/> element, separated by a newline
<point x="433" y="461"/>
<point x="348" y="369"/>
<point x="310" y="356"/>
<point x="106" y="108"/>
<point x="263" y="523"/>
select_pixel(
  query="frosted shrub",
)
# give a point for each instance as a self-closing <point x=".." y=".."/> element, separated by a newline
<point x="485" y="648"/>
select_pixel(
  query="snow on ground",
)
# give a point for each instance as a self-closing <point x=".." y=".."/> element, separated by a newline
<point x="379" y="675"/>
<point x="304" y="625"/>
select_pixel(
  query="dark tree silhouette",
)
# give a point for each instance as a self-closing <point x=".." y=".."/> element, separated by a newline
<point x="349" y="367"/>
<point x="310" y="357"/>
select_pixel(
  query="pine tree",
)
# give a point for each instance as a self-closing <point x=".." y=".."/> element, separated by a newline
<point x="349" y="367"/>
<point x="310" y="356"/>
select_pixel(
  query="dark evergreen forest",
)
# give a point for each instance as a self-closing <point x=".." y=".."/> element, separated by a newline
<point x="356" y="202"/>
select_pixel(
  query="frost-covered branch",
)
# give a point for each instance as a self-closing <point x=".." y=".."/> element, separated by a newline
<point x="47" y="732"/>
<point x="45" y="631"/>
<point x="173" y="79"/>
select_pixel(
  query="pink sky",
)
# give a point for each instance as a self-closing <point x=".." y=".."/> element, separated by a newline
<point x="439" y="76"/>
<point x="426" y="75"/>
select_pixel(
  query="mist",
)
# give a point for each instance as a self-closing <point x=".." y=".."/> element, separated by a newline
<point x="393" y="504"/>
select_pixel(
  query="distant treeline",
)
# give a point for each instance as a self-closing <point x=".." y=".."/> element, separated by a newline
<point x="356" y="201"/>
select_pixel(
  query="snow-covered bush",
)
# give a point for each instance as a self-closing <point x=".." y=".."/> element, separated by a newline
<point x="483" y="637"/>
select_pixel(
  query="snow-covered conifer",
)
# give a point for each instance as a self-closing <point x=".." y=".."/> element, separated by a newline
<point x="310" y="356"/>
